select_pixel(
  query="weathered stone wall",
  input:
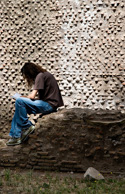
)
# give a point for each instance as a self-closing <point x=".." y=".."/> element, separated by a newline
<point x="80" y="41"/>
<point x="72" y="140"/>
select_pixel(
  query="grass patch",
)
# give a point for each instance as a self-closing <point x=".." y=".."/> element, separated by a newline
<point x="47" y="183"/>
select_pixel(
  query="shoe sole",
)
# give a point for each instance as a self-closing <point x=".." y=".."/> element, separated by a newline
<point x="26" y="137"/>
<point x="13" y="144"/>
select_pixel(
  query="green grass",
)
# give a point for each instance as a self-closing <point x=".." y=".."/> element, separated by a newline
<point x="33" y="182"/>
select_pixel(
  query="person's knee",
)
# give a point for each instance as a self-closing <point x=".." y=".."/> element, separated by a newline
<point x="19" y="101"/>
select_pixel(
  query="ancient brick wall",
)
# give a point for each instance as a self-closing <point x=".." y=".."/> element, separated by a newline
<point x="72" y="140"/>
<point x="80" y="41"/>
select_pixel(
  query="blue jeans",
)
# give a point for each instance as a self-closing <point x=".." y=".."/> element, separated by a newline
<point x="24" y="106"/>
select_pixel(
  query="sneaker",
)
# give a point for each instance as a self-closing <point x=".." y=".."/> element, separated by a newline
<point x="27" y="132"/>
<point x="14" y="141"/>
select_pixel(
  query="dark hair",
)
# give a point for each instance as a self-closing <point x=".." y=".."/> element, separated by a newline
<point x="30" y="71"/>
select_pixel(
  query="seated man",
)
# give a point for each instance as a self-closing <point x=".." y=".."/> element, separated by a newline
<point x="49" y="100"/>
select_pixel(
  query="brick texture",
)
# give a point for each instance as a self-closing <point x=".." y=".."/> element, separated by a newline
<point x="72" y="140"/>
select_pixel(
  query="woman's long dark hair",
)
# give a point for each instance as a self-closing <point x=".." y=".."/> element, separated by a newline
<point x="30" y="71"/>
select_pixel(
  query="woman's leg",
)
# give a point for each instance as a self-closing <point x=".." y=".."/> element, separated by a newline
<point x="24" y="106"/>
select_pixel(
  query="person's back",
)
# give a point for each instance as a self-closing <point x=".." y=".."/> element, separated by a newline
<point x="48" y="89"/>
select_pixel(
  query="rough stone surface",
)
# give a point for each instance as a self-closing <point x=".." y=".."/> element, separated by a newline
<point x="92" y="173"/>
<point x="2" y="143"/>
<point x="72" y="140"/>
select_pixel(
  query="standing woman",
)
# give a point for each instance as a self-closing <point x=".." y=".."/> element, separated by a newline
<point x="49" y="99"/>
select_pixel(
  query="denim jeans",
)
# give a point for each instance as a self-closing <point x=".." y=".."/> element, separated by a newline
<point x="24" y="106"/>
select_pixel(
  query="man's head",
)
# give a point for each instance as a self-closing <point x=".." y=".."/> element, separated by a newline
<point x="30" y="71"/>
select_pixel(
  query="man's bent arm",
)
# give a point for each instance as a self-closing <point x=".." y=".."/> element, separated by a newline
<point x="31" y="95"/>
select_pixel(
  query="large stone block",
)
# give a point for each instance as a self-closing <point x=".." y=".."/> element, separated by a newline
<point x="72" y="140"/>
